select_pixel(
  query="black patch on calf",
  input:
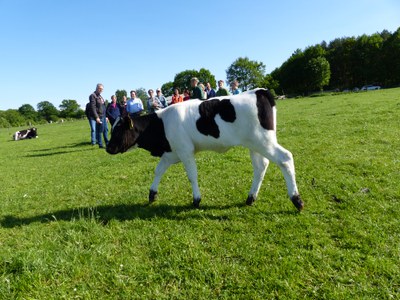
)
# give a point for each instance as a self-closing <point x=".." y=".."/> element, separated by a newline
<point x="265" y="102"/>
<point x="208" y="110"/>
<point x="32" y="133"/>
<point x="151" y="134"/>
<point x="23" y="132"/>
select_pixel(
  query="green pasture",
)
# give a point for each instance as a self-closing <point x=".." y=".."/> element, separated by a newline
<point x="75" y="222"/>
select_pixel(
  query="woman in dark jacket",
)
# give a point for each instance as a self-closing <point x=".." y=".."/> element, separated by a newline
<point x="113" y="110"/>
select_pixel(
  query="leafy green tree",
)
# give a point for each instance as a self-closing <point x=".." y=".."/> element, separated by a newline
<point x="205" y="76"/>
<point x="168" y="89"/>
<point x="368" y="51"/>
<point x="142" y="94"/>
<point x="270" y="83"/>
<point x="316" y="69"/>
<point x="391" y="59"/>
<point x="47" y="111"/>
<point x="304" y="72"/>
<point x="69" y="108"/>
<point x="289" y="74"/>
<point x="317" y="73"/>
<point x="182" y="79"/>
<point x="249" y="73"/>
<point x="28" y="112"/>
<point x="120" y="95"/>
<point x="340" y="54"/>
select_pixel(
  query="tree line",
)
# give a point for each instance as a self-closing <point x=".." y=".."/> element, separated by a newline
<point x="343" y="64"/>
<point x="46" y="112"/>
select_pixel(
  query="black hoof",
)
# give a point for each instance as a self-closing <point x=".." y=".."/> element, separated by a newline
<point x="152" y="196"/>
<point x="297" y="202"/>
<point x="196" y="203"/>
<point x="250" y="200"/>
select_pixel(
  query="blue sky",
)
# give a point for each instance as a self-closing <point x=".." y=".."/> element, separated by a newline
<point x="52" y="50"/>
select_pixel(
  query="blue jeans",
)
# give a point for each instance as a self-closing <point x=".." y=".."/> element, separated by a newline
<point x="105" y="129"/>
<point x="92" y="123"/>
<point x="99" y="130"/>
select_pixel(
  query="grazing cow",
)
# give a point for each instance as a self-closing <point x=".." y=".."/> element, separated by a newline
<point x="25" y="134"/>
<point x="176" y="133"/>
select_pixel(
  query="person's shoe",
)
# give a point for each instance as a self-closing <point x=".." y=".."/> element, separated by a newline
<point x="101" y="146"/>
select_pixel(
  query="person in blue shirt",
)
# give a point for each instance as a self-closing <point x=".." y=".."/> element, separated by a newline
<point x="210" y="91"/>
<point x="235" y="87"/>
<point x="134" y="106"/>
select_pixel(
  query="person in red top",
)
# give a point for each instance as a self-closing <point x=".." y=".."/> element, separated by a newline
<point x="176" y="98"/>
<point x="186" y="95"/>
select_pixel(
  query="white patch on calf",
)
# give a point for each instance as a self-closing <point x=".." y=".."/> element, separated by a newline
<point x="16" y="136"/>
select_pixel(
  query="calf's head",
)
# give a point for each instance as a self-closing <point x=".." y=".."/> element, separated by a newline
<point x="32" y="133"/>
<point x="123" y="136"/>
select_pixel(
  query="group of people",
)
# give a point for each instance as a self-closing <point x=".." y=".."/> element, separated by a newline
<point x="199" y="91"/>
<point x="99" y="115"/>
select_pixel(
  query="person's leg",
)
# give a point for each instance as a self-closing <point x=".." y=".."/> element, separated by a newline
<point x="105" y="130"/>
<point x="92" y="123"/>
<point x="99" y="131"/>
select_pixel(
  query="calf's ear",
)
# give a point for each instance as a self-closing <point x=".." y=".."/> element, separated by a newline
<point x="128" y="122"/>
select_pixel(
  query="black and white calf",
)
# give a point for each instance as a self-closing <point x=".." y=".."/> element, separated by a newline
<point x="176" y="133"/>
<point x="25" y="134"/>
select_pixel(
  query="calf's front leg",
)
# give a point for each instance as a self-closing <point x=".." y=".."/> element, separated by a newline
<point x="166" y="160"/>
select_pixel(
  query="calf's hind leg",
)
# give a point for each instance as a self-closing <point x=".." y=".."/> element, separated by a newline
<point x="284" y="159"/>
<point x="191" y="170"/>
<point x="260" y="165"/>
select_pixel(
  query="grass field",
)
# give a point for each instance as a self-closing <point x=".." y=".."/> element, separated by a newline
<point x="75" y="223"/>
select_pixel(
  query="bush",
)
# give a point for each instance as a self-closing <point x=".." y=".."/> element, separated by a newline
<point x="4" y="123"/>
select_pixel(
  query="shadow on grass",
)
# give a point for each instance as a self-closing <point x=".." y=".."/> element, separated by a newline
<point x="83" y="146"/>
<point x="74" y="145"/>
<point x="126" y="212"/>
<point x="104" y="214"/>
